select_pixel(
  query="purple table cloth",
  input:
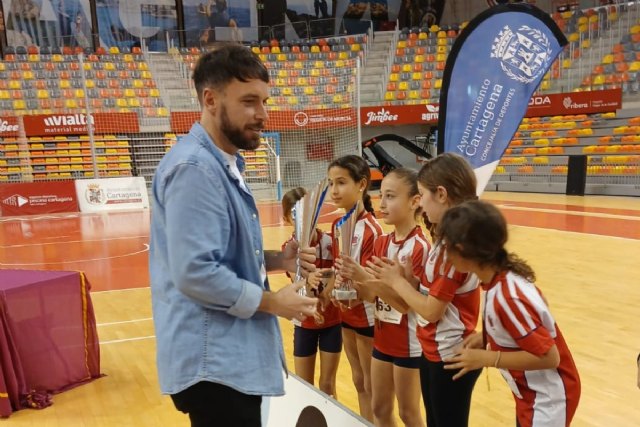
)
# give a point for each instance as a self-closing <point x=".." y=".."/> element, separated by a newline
<point x="48" y="338"/>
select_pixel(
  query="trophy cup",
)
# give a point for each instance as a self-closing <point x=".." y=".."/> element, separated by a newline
<point x="345" y="228"/>
<point x="305" y="218"/>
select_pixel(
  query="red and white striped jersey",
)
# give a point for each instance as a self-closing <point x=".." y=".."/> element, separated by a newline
<point x="367" y="231"/>
<point x="324" y="259"/>
<point x="461" y="290"/>
<point x="517" y="318"/>
<point x="395" y="333"/>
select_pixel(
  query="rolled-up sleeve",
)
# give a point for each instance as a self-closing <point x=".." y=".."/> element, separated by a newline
<point x="198" y="231"/>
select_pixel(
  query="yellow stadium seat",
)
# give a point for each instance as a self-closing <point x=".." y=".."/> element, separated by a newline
<point x="42" y="94"/>
<point x="163" y="112"/>
<point x="287" y="91"/>
<point x="121" y="102"/>
<point x="419" y="58"/>
<point x="65" y="84"/>
<point x="137" y="84"/>
<point x="57" y="58"/>
<point x="394" y="77"/>
<point x="414" y="94"/>
<point x="128" y="58"/>
<point x="142" y="66"/>
<point x="406" y="68"/>
<point x="28" y="75"/>
<point x="4" y="94"/>
<point x="133" y="102"/>
<point x="608" y="59"/>
<point x="401" y="44"/>
<point x="70" y="103"/>
<point x="389" y="96"/>
<point x="19" y="104"/>
<point x="309" y="90"/>
<point x="129" y="93"/>
<point x="87" y="66"/>
<point x="438" y="84"/>
<point x="79" y="93"/>
<point x="113" y="50"/>
<point x="416" y="76"/>
<point x="343" y="55"/>
<point x="145" y="74"/>
<point x="90" y="84"/>
<point x="155" y="93"/>
<point x="15" y="84"/>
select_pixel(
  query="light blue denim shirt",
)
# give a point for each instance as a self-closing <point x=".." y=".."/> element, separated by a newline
<point x="205" y="259"/>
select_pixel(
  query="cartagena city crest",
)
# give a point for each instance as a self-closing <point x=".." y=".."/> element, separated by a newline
<point x="524" y="54"/>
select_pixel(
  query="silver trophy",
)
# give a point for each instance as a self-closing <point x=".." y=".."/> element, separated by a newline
<point x="345" y="229"/>
<point x="305" y="217"/>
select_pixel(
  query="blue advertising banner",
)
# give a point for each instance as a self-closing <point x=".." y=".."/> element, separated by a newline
<point x="495" y="65"/>
<point x="48" y="23"/>
<point x="125" y="23"/>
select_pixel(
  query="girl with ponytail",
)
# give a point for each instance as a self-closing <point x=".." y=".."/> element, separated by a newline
<point x="446" y="301"/>
<point x="349" y="178"/>
<point x="520" y="336"/>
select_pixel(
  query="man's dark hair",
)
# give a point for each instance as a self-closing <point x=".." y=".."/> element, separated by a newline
<point x="217" y="68"/>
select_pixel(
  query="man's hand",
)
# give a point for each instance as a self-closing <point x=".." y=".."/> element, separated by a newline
<point x="293" y="256"/>
<point x="288" y="303"/>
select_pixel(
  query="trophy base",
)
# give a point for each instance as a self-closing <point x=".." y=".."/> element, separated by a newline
<point x="344" y="294"/>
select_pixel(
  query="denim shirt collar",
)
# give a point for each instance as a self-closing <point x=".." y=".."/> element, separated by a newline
<point x="206" y="141"/>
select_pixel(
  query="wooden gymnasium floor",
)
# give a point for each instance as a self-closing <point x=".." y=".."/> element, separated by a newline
<point x="585" y="251"/>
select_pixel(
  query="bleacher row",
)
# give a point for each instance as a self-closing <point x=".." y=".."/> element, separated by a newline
<point x="32" y="82"/>
<point x="541" y="147"/>
<point x="63" y="157"/>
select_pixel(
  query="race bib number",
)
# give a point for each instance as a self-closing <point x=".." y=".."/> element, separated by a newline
<point x="386" y="313"/>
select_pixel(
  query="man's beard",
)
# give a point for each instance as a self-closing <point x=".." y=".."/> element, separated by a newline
<point x="235" y="135"/>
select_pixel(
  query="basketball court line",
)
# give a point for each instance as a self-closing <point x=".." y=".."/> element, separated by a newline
<point x="147" y="337"/>
<point x="144" y="319"/>
<point x="106" y="239"/>
<point x="572" y="213"/>
<point x="146" y="249"/>
<point x="577" y="233"/>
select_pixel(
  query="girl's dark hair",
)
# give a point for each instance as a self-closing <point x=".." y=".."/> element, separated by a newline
<point x="410" y="178"/>
<point x="358" y="170"/>
<point x="453" y="172"/>
<point x="289" y="201"/>
<point x="477" y="231"/>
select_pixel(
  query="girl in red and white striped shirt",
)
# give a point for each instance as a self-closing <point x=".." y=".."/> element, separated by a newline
<point x="524" y="340"/>
<point x="322" y="331"/>
<point x="446" y="301"/>
<point x="349" y="178"/>
<point x="396" y="349"/>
